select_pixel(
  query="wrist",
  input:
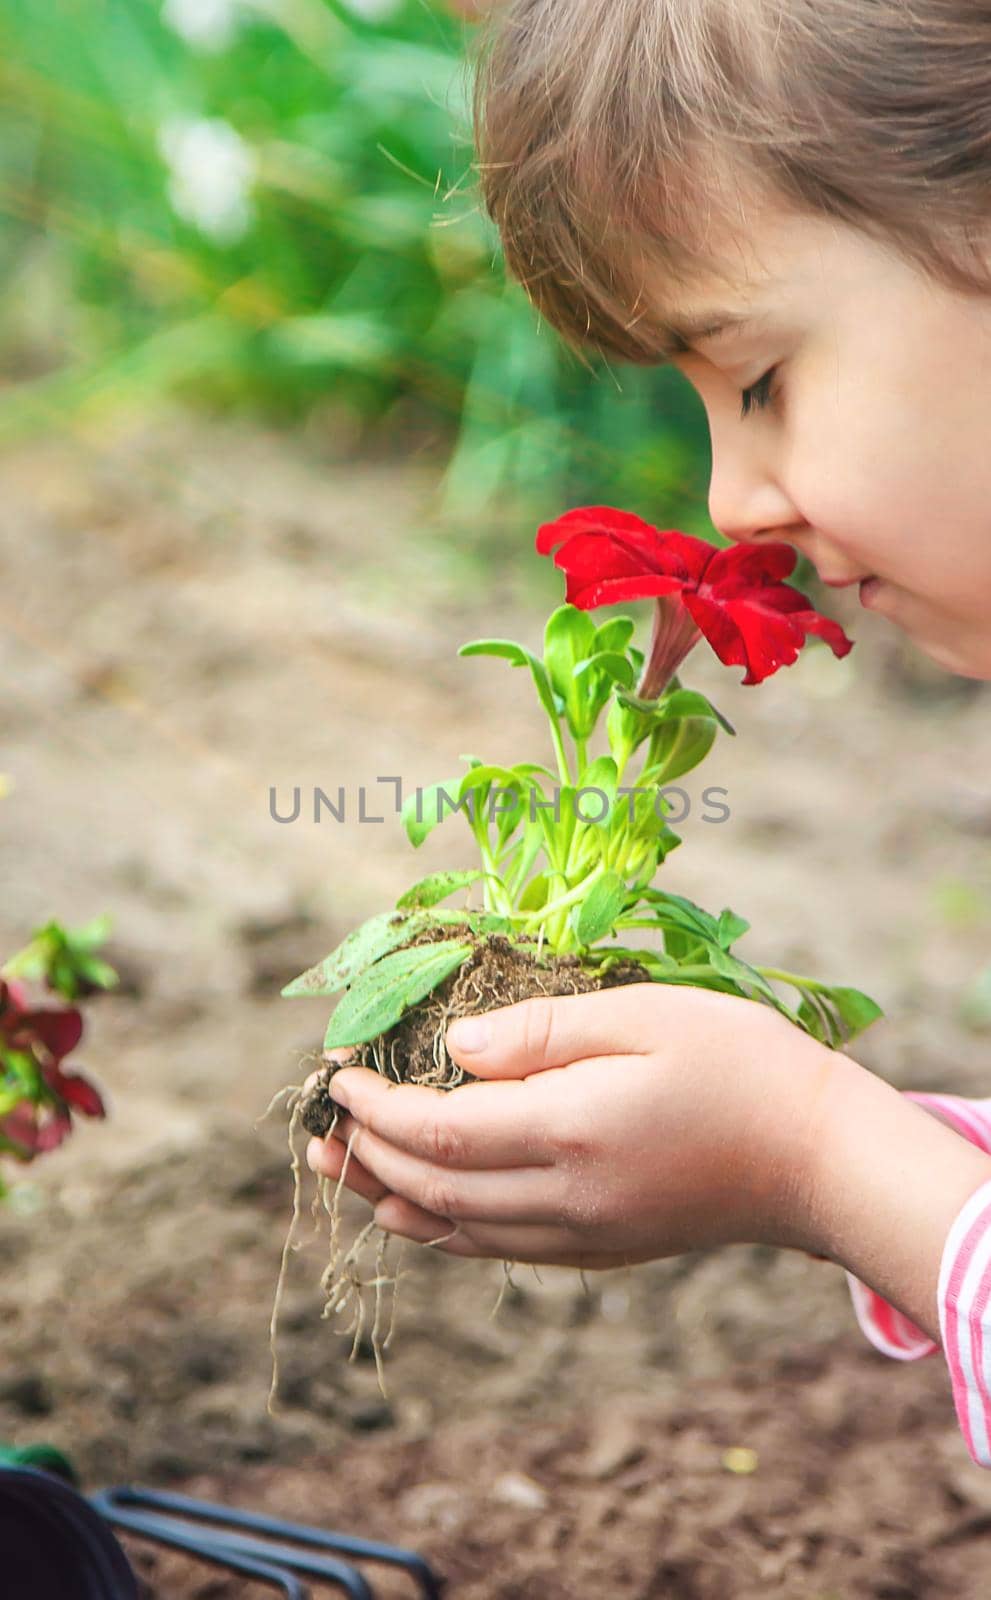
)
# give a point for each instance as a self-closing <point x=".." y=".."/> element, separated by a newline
<point x="885" y="1182"/>
<point x="777" y="1186"/>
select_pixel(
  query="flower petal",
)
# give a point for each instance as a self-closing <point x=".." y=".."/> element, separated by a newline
<point x="20" y="1127"/>
<point x="770" y="640"/>
<point x="608" y="535"/>
<point x="749" y="566"/>
<point x="781" y="597"/>
<point x="720" y="630"/>
<point x="58" y="1031"/>
<point x="77" y="1091"/>
<point x="53" y="1130"/>
<point x="590" y="519"/>
<point x="613" y="591"/>
<point x="13" y="998"/>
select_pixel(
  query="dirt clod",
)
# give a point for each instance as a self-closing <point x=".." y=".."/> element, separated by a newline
<point x="499" y="972"/>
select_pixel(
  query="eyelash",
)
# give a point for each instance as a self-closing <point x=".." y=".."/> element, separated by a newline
<point x="758" y="396"/>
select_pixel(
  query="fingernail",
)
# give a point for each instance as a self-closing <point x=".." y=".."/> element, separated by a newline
<point x="468" y="1035"/>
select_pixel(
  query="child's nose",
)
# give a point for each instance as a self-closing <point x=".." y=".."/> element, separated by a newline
<point x="746" y="502"/>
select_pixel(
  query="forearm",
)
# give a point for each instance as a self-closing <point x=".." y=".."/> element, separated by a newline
<point x="887" y="1181"/>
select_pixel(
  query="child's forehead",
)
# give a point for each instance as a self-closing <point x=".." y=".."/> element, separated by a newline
<point x="690" y="308"/>
<point x="732" y="281"/>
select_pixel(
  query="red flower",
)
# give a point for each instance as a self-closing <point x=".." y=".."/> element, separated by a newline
<point x="735" y="597"/>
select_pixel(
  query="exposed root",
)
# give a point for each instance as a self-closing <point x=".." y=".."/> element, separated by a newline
<point x="429" y="1243"/>
<point x="341" y="1282"/>
<point x="290" y="1094"/>
<point x="507" y="1269"/>
<point x="295" y="1102"/>
<point x="395" y="1301"/>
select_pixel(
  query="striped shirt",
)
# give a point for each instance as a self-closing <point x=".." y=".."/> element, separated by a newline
<point x="963" y="1294"/>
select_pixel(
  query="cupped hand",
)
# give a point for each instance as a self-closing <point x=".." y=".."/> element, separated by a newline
<point x="609" y="1128"/>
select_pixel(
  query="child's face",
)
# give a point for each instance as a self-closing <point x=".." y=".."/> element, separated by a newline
<point x="873" y="454"/>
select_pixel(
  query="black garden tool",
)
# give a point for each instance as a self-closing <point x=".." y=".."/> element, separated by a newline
<point x="59" y="1545"/>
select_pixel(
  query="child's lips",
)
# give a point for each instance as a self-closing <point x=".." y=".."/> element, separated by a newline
<point x="869" y="586"/>
<point x="843" y="583"/>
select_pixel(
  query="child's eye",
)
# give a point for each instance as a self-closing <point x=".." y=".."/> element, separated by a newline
<point x="758" y="395"/>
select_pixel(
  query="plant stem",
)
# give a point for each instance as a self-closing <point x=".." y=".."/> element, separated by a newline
<point x="491" y="894"/>
<point x="573" y="895"/>
<point x="792" y="978"/>
<point x="564" y="772"/>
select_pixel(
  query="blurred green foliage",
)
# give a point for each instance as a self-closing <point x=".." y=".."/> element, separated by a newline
<point x="267" y="205"/>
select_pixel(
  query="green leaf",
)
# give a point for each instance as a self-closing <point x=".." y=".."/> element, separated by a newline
<point x="616" y="667"/>
<point x="64" y="958"/>
<point x="519" y="657"/>
<point x="432" y="808"/>
<point x="535" y="894"/>
<point x="377" y="999"/>
<point x="678" y="746"/>
<point x="739" y="972"/>
<point x="614" y="635"/>
<point x="690" y="703"/>
<point x="600" y="908"/>
<point x="857" y="1009"/>
<point x="568" y="638"/>
<point x="600" y="774"/>
<point x="674" y="910"/>
<point x="529" y="846"/>
<point x="364" y="945"/>
<point x="731" y="927"/>
<point x="437" y="887"/>
<point x="375" y="938"/>
<point x="817" y="1019"/>
<point x="92" y="934"/>
<point x="99" y="973"/>
<point x="482" y="777"/>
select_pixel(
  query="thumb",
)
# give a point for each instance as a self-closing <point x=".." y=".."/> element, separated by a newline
<point x="552" y="1031"/>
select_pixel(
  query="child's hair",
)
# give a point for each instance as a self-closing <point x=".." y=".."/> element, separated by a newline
<point x="611" y="132"/>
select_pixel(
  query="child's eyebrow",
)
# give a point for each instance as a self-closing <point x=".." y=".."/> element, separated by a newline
<point x="686" y="332"/>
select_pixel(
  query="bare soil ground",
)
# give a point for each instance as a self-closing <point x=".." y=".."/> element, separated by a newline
<point x="189" y="617"/>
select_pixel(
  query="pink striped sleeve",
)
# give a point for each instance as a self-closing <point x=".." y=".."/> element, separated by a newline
<point x="964" y="1296"/>
<point x="888" y="1329"/>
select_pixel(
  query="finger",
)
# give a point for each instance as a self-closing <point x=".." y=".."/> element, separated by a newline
<point x="341" y="1053"/>
<point x="521" y="1194"/>
<point x="555" y="1030"/>
<point x="328" y="1157"/>
<point x="551" y="1247"/>
<point x="479" y="1125"/>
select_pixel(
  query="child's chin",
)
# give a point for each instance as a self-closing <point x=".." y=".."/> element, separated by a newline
<point x="963" y="663"/>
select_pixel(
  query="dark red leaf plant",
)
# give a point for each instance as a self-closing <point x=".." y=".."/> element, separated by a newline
<point x="41" y="1025"/>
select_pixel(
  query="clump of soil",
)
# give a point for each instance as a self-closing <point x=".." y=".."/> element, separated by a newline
<point x="498" y="972"/>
